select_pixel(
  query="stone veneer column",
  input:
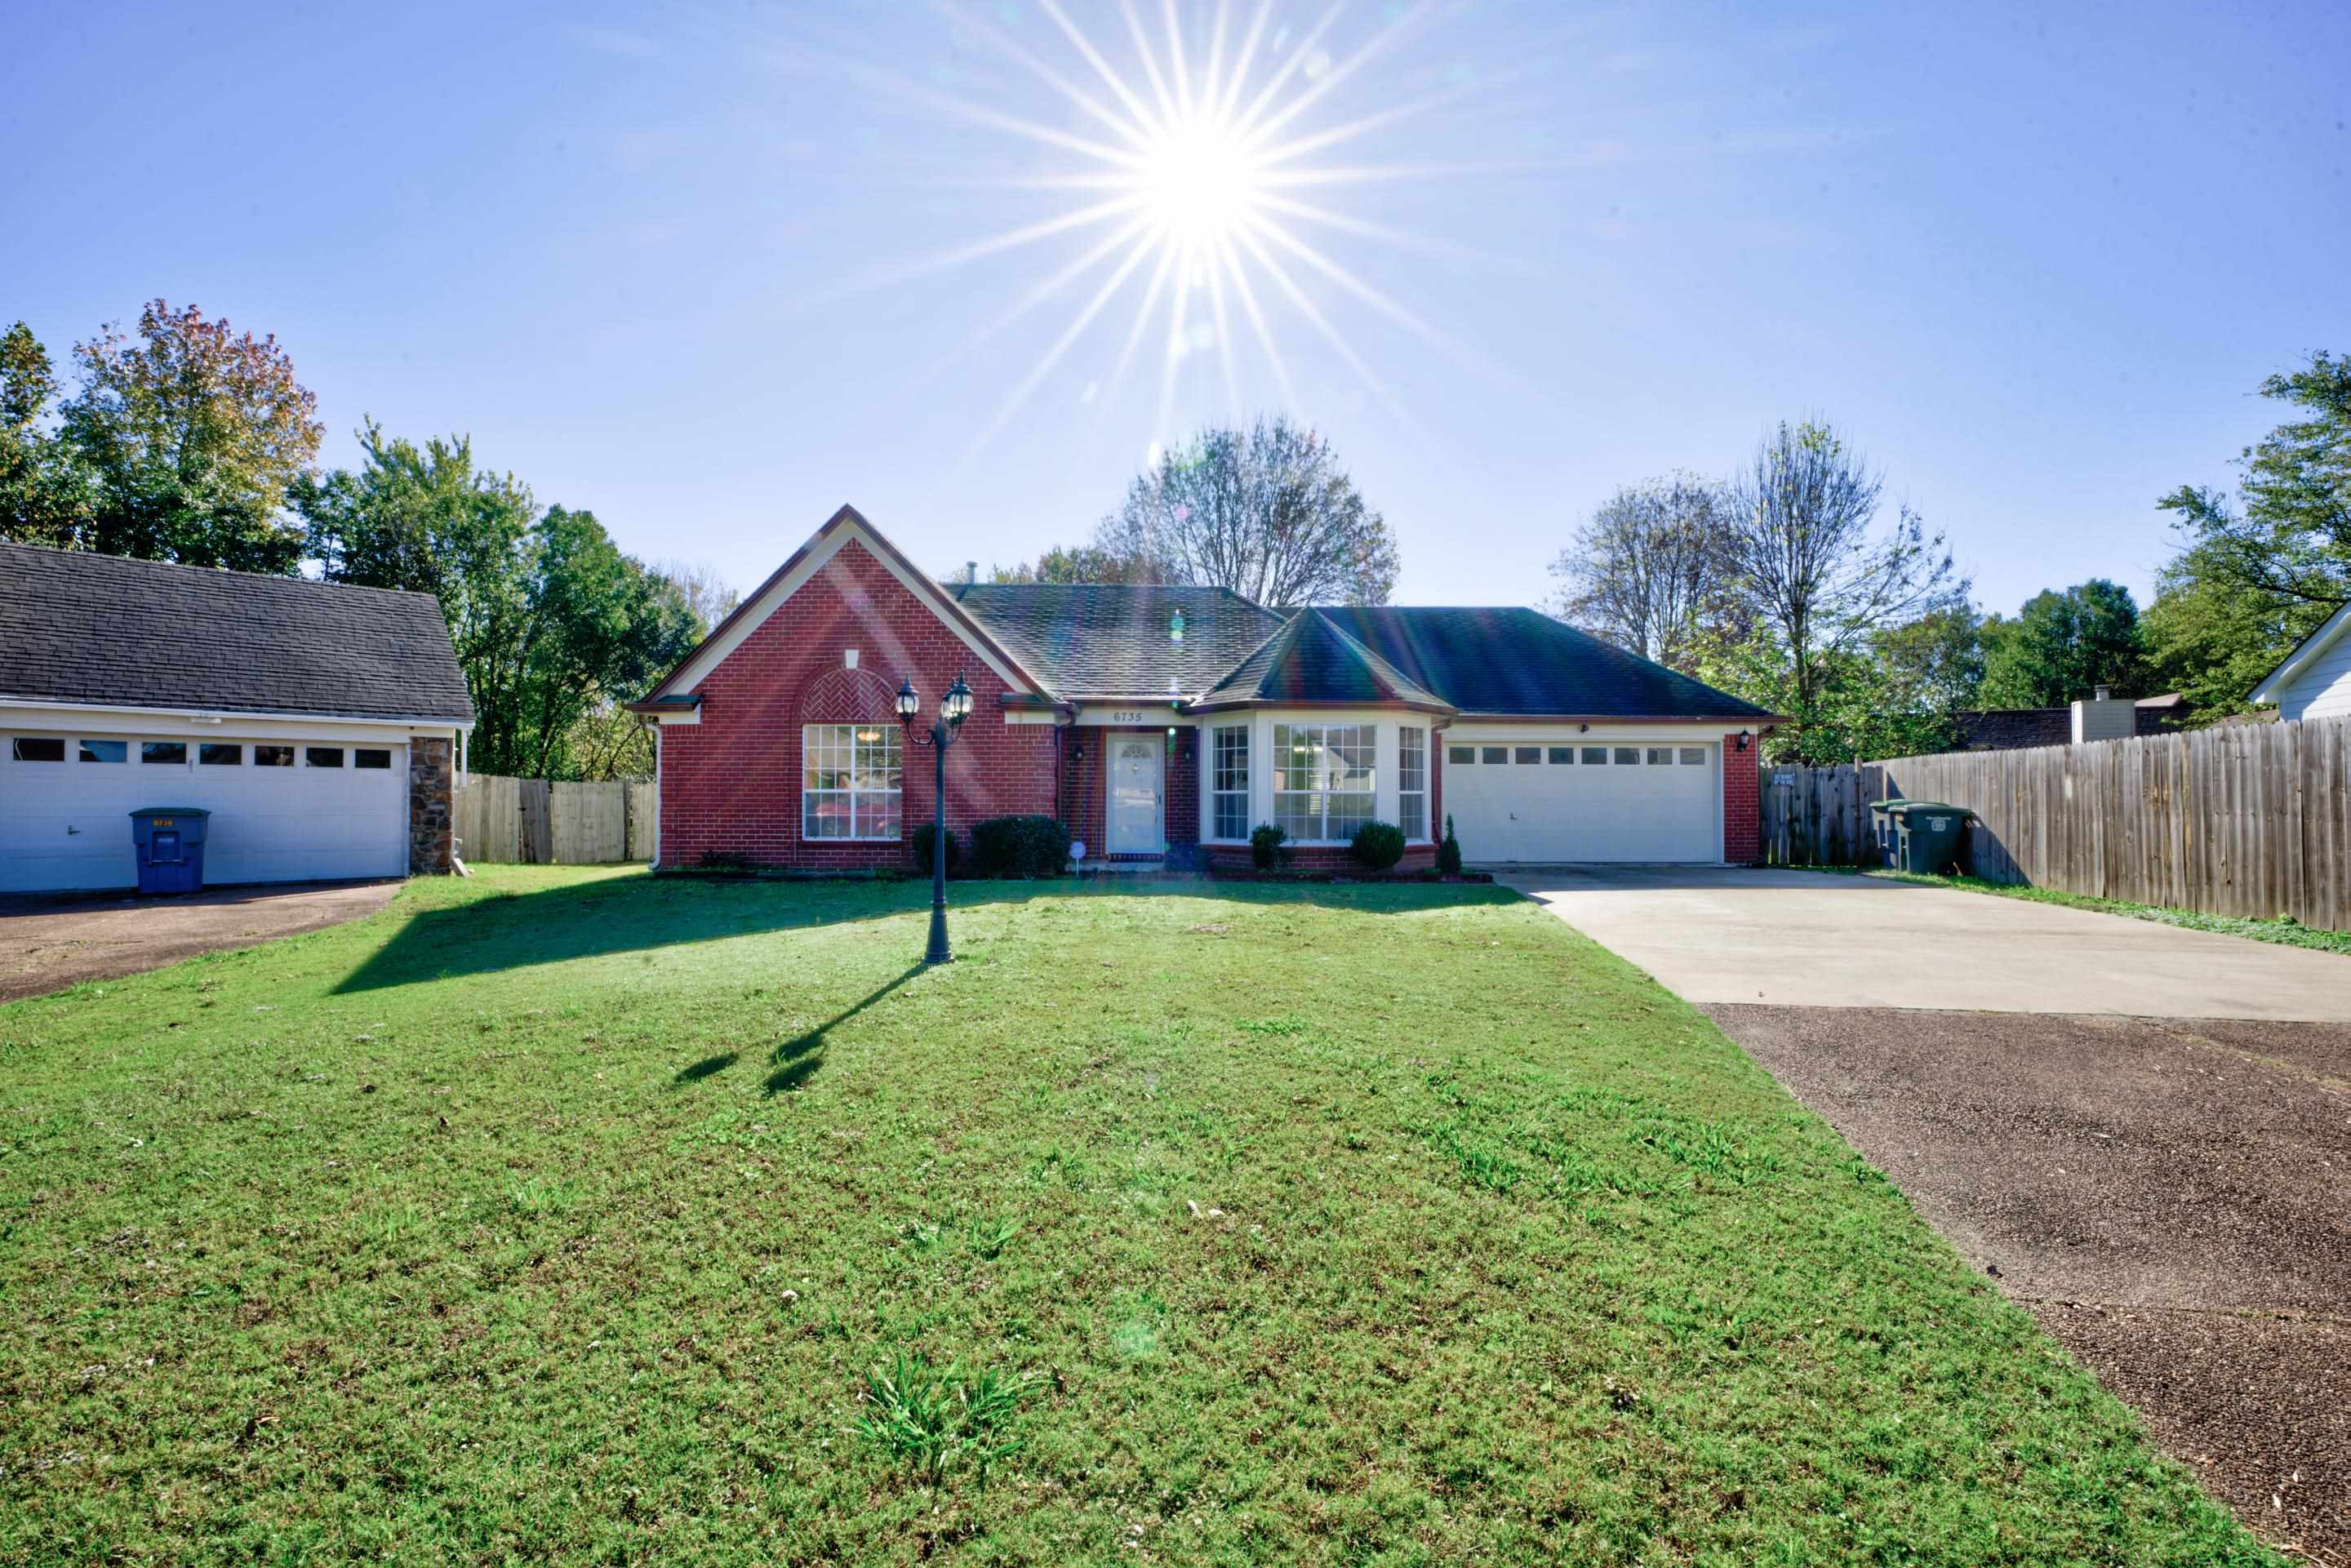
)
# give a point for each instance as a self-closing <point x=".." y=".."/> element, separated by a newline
<point x="432" y="817"/>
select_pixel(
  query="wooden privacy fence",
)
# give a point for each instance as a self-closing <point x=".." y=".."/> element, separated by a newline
<point x="2240" y="820"/>
<point x="532" y="821"/>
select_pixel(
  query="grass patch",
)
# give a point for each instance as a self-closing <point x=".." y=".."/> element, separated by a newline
<point x="2285" y="931"/>
<point x="565" y="1214"/>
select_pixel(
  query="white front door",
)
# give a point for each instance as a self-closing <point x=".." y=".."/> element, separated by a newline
<point x="1134" y="824"/>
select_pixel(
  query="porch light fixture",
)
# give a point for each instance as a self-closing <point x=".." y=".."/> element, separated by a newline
<point x="1742" y="740"/>
<point x="955" y="707"/>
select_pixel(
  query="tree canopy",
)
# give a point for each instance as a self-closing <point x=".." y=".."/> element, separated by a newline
<point x="1647" y="572"/>
<point x="2064" y="644"/>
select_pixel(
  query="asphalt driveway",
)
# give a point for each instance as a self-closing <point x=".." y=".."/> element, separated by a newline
<point x="2142" y="1134"/>
<point x="49" y="943"/>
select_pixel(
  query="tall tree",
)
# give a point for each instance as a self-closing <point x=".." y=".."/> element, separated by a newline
<point x="2289" y="536"/>
<point x="1817" y="577"/>
<point x="2211" y="639"/>
<point x="1082" y="563"/>
<point x="552" y="623"/>
<point x="1647" y="570"/>
<point x="2065" y="644"/>
<point x="193" y="435"/>
<point x="709" y="597"/>
<point x="44" y="495"/>
<point x="1267" y="512"/>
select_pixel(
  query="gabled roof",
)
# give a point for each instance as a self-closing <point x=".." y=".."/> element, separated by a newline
<point x="1520" y="662"/>
<point x="104" y="630"/>
<point x="2305" y="654"/>
<point x="1311" y="661"/>
<point x="1113" y="639"/>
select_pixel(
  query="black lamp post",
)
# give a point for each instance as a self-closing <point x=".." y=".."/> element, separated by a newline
<point x="955" y="707"/>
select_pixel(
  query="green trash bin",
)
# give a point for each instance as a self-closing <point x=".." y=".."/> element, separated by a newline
<point x="1926" y="836"/>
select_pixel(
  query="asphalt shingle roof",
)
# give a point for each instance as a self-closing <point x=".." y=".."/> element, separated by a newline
<point x="83" y="628"/>
<point x="1312" y="661"/>
<point x="1099" y="640"/>
<point x="1518" y="661"/>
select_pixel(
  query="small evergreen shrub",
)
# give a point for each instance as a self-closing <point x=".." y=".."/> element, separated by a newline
<point x="1449" y="852"/>
<point x="920" y="841"/>
<point x="724" y="860"/>
<point x="1377" y="845"/>
<point x="1266" y="851"/>
<point x="1019" y="846"/>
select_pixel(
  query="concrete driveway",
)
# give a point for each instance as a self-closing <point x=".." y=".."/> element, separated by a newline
<point x="49" y="943"/>
<point x="1792" y="938"/>
<point x="2142" y="1134"/>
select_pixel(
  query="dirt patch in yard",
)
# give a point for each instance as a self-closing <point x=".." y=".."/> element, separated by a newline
<point x="2167" y="1196"/>
<point x="48" y="944"/>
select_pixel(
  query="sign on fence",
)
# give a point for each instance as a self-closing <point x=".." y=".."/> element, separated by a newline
<point x="2240" y="820"/>
<point x="531" y="822"/>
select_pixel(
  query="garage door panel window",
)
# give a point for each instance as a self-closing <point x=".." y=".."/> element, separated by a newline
<point x="1460" y="756"/>
<point x="38" y="749"/>
<point x="219" y="754"/>
<point x="1595" y="756"/>
<point x="1323" y="780"/>
<point x="1529" y="754"/>
<point x="1229" y="783"/>
<point x="1412" y="781"/>
<point x="1693" y="756"/>
<point x="163" y="754"/>
<point x="1562" y="756"/>
<point x="322" y="757"/>
<point x="852" y="782"/>
<point x="371" y="756"/>
<point x="273" y="757"/>
<point x="105" y="750"/>
<point x="1494" y="756"/>
<point x="1661" y="757"/>
<point x="1628" y="757"/>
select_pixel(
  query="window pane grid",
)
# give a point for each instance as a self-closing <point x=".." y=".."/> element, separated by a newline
<point x="1325" y="779"/>
<point x="1412" y="781"/>
<point x="1228" y="782"/>
<point x="852" y="782"/>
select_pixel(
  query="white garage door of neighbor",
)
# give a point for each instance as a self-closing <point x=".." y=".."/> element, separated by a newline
<point x="281" y="811"/>
<point x="1560" y="803"/>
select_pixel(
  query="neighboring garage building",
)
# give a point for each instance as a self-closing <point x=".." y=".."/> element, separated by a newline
<point x="1156" y="720"/>
<point x="321" y="726"/>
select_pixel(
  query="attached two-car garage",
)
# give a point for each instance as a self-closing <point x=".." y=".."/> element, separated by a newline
<point x="1528" y="797"/>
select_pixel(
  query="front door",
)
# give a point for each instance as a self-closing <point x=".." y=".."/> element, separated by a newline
<point x="1135" y="826"/>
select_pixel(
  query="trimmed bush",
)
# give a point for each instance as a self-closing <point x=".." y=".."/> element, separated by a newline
<point x="1019" y="846"/>
<point x="1377" y="845"/>
<point x="1266" y="851"/>
<point x="920" y="841"/>
<point x="1449" y="852"/>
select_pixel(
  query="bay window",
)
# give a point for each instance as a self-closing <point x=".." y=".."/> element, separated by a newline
<point x="1412" y="782"/>
<point x="851" y="781"/>
<point x="1323" y="780"/>
<point x="1228" y="782"/>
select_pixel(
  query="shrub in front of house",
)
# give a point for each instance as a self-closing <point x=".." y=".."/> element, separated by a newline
<point x="1449" y="852"/>
<point x="1377" y="846"/>
<point x="1019" y="846"/>
<point x="920" y="841"/>
<point x="1266" y="851"/>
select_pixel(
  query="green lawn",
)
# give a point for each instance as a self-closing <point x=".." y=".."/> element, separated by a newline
<point x="579" y="1216"/>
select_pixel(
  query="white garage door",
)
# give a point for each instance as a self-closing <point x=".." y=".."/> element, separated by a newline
<point x="1560" y="803"/>
<point x="282" y="810"/>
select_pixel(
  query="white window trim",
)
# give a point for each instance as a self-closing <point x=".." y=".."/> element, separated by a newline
<point x="853" y="792"/>
<point x="1428" y="744"/>
<point x="1383" y="769"/>
<point x="1247" y="791"/>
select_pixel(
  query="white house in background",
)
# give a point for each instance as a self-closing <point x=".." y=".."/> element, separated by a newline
<point x="2315" y="682"/>
<point x="317" y="724"/>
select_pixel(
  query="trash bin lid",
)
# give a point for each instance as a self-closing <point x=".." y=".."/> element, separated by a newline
<point x="1891" y="803"/>
<point x="172" y="811"/>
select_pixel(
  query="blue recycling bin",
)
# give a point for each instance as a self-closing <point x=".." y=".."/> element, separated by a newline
<point x="170" y="840"/>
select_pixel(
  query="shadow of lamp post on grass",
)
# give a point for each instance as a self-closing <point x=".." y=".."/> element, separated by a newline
<point x="955" y="707"/>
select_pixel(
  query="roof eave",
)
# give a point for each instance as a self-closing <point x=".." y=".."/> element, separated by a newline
<point x="1765" y="719"/>
<point x="1228" y="704"/>
<point x="2303" y="653"/>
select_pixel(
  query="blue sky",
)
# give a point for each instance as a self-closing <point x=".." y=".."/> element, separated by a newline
<point x="690" y="267"/>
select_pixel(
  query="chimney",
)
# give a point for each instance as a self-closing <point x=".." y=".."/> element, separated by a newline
<point x="971" y="575"/>
<point x="2103" y="717"/>
<point x="2103" y="693"/>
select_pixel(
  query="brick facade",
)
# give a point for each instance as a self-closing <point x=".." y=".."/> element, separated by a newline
<point x="432" y="820"/>
<point x="1086" y="783"/>
<point x="731" y="784"/>
<point x="1742" y="820"/>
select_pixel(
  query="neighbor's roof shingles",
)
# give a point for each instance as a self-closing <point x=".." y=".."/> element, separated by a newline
<point x="103" y="630"/>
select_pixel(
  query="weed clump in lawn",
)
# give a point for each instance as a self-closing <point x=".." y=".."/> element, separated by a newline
<point x="931" y="1422"/>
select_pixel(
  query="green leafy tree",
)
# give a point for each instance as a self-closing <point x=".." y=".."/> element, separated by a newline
<point x="1267" y="512"/>
<point x="45" y="493"/>
<point x="1081" y="563"/>
<point x="2261" y="569"/>
<point x="1649" y="571"/>
<point x="2065" y="644"/>
<point x="553" y="625"/>
<point x="193" y="435"/>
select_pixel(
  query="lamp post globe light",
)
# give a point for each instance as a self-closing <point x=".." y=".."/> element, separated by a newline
<point x="955" y="707"/>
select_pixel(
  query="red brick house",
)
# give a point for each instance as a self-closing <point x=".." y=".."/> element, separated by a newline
<point x="1149" y="718"/>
